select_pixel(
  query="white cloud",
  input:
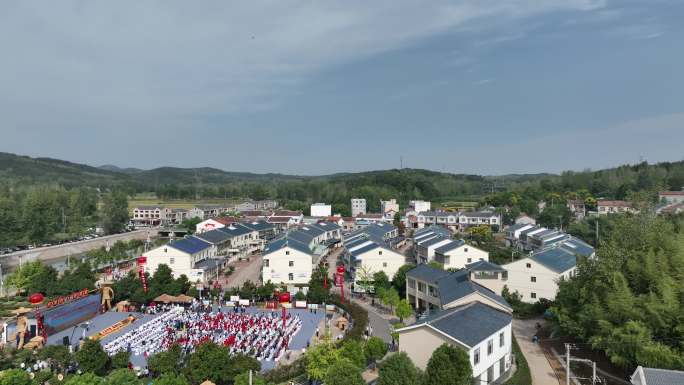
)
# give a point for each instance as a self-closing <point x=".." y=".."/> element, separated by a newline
<point x="158" y="59"/>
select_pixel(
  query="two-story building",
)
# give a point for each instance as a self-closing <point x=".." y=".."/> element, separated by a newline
<point x="577" y="208"/>
<point x="446" y="219"/>
<point x="430" y="289"/>
<point x="537" y="275"/>
<point x="193" y="257"/>
<point x="150" y="215"/>
<point x="364" y="257"/>
<point x="287" y="261"/>
<point x="482" y="331"/>
<point x="478" y="218"/>
<point x="456" y="254"/>
<point x="605" y="207"/>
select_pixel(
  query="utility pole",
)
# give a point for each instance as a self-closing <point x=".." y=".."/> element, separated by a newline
<point x="250" y="376"/>
<point x="597" y="226"/>
<point x="568" y="359"/>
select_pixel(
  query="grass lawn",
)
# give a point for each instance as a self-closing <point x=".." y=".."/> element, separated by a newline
<point x="522" y="374"/>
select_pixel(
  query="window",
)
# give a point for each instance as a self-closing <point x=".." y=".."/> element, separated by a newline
<point x="411" y="284"/>
<point x="287" y="252"/>
<point x="380" y="252"/>
<point x="533" y="295"/>
<point x="421" y="287"/>
<point x="290" y="263"/>
<point x="476" y="356"/>
<point x="384" y="264"/>
<point x="172" y="261"/>
<point x="533" y="279"/>
<point x="529" y="265"/>
<point x="470" y="260"/>
<point x="490" y="347"/>
<point x="265" y="262"/>
<point x="290" y="277"/>
<point x="465" y="249"/>
<point x="501" y="339"/>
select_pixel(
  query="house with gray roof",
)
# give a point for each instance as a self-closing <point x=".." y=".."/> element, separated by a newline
<point x="482" y="331"/>
<point x="430" y="289"/>
<point x="654" y="376"/>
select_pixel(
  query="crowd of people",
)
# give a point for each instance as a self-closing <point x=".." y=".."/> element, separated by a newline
<point x="260" y="335"/>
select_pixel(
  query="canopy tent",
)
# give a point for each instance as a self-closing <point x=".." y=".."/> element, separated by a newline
<point x="165" y="298"/>
<point x="184" y="298"/>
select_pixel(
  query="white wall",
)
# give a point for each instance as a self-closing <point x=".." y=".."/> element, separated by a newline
<point x="461" y="256"/>
<point x="279" y="268"/>
<point x="208" y="225"/>
<point x="486" y="361"/>
<point x="381" y="259"/>
<point x="520" y="280"/>
<point x="420" y="206"/>
<point x="321" y="210"/>
<point x="178" y="261"/>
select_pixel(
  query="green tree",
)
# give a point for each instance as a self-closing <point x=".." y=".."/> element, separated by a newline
<point x="57" y="355"/>
<point x="165" y="362"/>
<point x="399" y="279"/>
<point x="380" y="280"/>
<point x="122" y="377"/>
<point x="375" y="349"/>
<point x="15" y="377"/>
<point x="352" y="351"/>
<point x="398" y="369"/>
<point x="120" y="360"/>
<point x="85" y="379"/>
<point x="24" y="276"/>
<point x="190" y="224"/>
<point x="403" y="310"/>
<point x="240" y="363"/>
<point x="170" y="379"/>
<point x="344" y="372"/>
<point x="210" y="362"/>
<point x="319" y="359"/>
<point x="92" y="358"/>
<point x="449" y="365"/>
<point x="114" y="212"/>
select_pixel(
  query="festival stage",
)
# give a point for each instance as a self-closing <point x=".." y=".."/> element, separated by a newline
<point x="310" y="322"/>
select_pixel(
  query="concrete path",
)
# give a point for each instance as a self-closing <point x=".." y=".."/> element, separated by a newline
<point x="244" y="271"/>
<point x="542" y="373"/>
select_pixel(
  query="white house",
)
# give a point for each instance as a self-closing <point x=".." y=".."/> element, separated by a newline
<point x="366" y="257"/>
<point x="419" y="206"/>
<point x="456" y="254"/>
<point x="430" y="289"/>
<point x="536" y="276"/>
<point x="605" y="207"/>
<point x="654" y="376"/>
<point x="287" y="261"/>
<point x="671" y="197"/>
<point x="477" y="218"/>
<point x="389" y="208"/>
<point x="425" y="248"/>
<point x="358" y="206"/>
<point x="321" y="210"/>
<point x="193" y="257"/>
<point x="151" y="215"/>
<point x="211" y="224"/>
<point x="482" y="331"/>
<point x="442" y="218"/>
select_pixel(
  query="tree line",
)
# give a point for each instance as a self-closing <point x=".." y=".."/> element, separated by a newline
<point x="46" y="213"/>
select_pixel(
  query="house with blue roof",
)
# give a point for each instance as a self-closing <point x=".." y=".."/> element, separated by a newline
<point x="193" y="257"/>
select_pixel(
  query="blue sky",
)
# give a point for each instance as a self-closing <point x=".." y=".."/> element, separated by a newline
<point x="486" y="87"/>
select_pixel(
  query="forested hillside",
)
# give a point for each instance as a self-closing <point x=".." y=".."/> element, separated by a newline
<point x="629" y="302"/>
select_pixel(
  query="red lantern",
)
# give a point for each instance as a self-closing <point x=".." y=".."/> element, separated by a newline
<point x="340" y="269"/>
<point x="284" y="297"/>
<point x="141" y="260"/>
<point x="36" y="298"/>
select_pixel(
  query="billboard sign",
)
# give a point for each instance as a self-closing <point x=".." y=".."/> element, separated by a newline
<point x="61" y="317"/>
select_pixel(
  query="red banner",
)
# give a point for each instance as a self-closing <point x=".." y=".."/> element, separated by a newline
<point x="67" y="298"/>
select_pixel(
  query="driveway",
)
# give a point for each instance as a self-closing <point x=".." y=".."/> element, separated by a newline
<point x="244" y="271"/>
<point x="542" y="373"/>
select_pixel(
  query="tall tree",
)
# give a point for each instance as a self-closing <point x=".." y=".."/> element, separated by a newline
<point x="115" y="212"/>
<point x="398" y="369"/>
<point x="449" y="365"/>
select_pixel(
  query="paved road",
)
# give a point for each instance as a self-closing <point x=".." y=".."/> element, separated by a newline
<point x="542" y="373"/>
<point x="57" y="252"/>
<point x="245" y="271"/>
